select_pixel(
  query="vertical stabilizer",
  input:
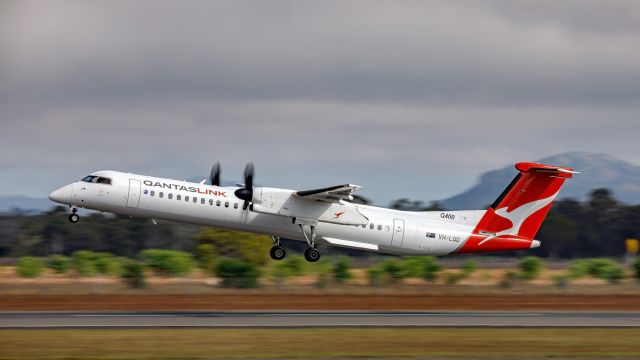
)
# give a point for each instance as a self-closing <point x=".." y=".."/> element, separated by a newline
<point x="515" y="217"/>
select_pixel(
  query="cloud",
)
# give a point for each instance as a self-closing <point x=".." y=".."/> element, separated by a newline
<point x="423" y="52"/>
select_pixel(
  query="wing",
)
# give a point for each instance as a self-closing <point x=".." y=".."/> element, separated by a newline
<point x="331" y="194"/>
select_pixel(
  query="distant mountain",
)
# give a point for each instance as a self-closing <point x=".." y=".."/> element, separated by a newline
<point x="24" y="204"/>
<point x="596" y="171"/>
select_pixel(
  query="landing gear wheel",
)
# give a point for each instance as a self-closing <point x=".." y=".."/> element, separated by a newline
<point x="278" y="253"/>
<point x="74" y="218"/>
<point x="312" y="255"/>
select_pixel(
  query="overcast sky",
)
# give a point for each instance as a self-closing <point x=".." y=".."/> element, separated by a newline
<point x="407" y="98"/>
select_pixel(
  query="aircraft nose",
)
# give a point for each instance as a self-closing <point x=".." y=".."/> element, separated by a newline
<point x="62" y="195"/>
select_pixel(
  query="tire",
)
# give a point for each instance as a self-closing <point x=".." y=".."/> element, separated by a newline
<point x="312" y="255"/>
<point x="277" y="253"/>
<point x="74" y="218"/>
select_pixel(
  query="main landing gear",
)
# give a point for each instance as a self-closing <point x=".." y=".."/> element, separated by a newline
<point x="277" y="252"/>
<point x="74" y="217"/>
<point x="311" y="254"/>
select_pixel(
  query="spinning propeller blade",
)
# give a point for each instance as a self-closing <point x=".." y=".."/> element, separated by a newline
<point x="246" y="193"/>
<point x="214" y="177"/>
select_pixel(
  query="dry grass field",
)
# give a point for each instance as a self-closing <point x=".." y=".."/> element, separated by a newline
<point x="482" y="290"/>
<point x="320" y="343"/>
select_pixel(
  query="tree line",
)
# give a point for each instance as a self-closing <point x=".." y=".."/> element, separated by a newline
<point x="597" y="227"/>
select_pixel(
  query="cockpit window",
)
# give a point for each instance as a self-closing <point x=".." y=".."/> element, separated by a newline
<point x="97" y="180"/>
<point x="103" y="180"/>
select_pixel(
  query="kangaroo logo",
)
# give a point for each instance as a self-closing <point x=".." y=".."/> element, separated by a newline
<point x="338" y="214"/>
<point x="518" y="216"/>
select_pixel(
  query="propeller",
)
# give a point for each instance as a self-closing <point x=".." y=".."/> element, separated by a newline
<point x="214" y="177"/>
<point x="246" y="193"/>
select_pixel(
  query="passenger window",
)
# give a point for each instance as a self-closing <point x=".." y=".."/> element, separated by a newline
<point x="186" y="198"/>
<point x="217" y="202"/>
<point x="226" y="204"/>
<point x="387" y="228"/>
<point x="202" y="201"/>
<point x="379" y="227"/>
<point x="161" y="195"/>
<point x="170" y="196"/>
<point x="152" y="193"/>
<point x="195" y="199"/>
<point x="364" y="226"/>
<point x="146" y="191"/>
<point x="211" y="202"/>
<point x="371" y="226"/>
<point x="178" y="197"/>
<point x="235" y="205"/>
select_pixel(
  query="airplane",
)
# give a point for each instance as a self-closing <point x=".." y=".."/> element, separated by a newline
<point x="328" y="215"/>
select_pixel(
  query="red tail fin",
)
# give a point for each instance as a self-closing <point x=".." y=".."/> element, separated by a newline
<point x="515" y="217"/>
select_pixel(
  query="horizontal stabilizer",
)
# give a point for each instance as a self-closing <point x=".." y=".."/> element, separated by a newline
<point x="528" y="167"/>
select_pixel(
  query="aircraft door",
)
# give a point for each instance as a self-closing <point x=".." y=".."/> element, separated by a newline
<point x="133" y="200"/>
<point x="398" y="232"/>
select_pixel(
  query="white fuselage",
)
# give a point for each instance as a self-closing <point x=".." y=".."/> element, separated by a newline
<point x="383" y="230"/>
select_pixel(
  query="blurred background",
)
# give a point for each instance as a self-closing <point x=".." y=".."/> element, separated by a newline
<point x="427" y="104"/>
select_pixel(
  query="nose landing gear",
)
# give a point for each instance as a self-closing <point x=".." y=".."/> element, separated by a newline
<point x="74" y="217"/>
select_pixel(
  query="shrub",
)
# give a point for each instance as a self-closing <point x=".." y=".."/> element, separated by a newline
<point x="237" y="273"/>
<point x="430" y="268"/>
<point x="133" y="274"/>
<point x="636" y="267"/>
<point x="288" y="267"/>
<point x="605" y="269"/>
<point x="29" y="266"/>
<point x="579" y="268"/>
<point x="105" y="263"/>
<point x="83" y="262"/>
<point x="168" y="262"/>
<point x="530" y="267"/>
<point x="600" y="268"/>
<point x="509" y="278"/>
<point x="295" y="265"/>
<point x="341" y="271"/>
<point x="413" y="266"/>
<point x="89" y="263"/>
<point x="280" y="272"/>
<point x="321" y="281"/>
<point x="393" y="269"/>
<point x="468" y="267"/>
<point x="374" y="274"/>
<point x="452" y="278"/>
<point x="561" y="281"/>
<point x="59" y="264"/>
<point x="613" y="274"/>
<point x="206" y="256"/>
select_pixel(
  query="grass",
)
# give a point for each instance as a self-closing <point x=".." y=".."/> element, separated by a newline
<point x="318" y="343"/>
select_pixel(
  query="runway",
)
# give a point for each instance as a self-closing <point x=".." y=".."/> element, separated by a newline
<point x="313" y="319"/>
